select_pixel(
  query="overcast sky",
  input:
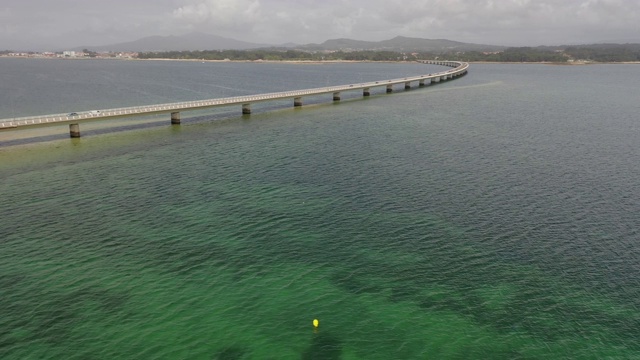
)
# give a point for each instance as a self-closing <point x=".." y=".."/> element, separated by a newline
<point x="71" y="23"/>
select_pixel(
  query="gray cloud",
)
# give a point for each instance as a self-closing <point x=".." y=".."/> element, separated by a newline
<point x="504" y="22"/>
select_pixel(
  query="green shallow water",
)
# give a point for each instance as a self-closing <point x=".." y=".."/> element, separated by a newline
<point x="460" y="221"/>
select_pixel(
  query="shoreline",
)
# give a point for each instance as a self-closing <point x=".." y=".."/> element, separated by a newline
<point x="321" y="62"/>
<point x="392" y="62"/>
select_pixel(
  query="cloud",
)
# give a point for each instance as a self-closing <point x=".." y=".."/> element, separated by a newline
<point x="488" y="21"/>
<point x="225" y="14"/>
<point x="511" y="21"/>
<point x="508" y="22"/>
<point x="5" y="13"/>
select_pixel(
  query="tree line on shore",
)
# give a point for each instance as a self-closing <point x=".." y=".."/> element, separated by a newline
<point x="590" y="53"/>
<point x="594" y="53"/>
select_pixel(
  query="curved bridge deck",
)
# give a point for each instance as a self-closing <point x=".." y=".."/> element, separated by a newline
<point x="459" y="68"/>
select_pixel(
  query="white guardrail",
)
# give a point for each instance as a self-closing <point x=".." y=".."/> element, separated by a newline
<point x="460" y="68"/>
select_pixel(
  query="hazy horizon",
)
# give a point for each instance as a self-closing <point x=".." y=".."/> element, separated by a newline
<point x="58" y="24"/>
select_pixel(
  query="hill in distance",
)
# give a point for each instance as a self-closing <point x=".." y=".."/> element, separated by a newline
<point x="202" y="41"/>
<point x="187" y="42"/>
<point x="402" y="44"/>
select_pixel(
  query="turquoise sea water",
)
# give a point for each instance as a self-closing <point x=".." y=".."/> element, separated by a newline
<point x="494" y="216"/>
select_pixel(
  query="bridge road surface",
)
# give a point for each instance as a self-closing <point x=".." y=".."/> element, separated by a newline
<point x="54" y="119"/>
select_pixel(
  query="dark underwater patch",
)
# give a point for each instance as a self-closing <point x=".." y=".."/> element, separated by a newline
<point x="323" y="347"/>
<point x="231" y="353"/>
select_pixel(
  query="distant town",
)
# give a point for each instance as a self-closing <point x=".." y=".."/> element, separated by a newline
<point x="582" y="54"/>
<point x="85" y="54"/>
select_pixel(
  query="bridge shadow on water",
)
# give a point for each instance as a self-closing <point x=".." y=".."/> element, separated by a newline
<point x="85" y="133"/>
<point x="63" y="133"/>
<point x="219" y="117"/>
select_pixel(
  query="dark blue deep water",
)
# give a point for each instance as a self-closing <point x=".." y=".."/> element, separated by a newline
<point x="495" y="216"/>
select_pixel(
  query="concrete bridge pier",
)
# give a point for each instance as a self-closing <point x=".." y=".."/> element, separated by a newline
<point x="175" y="118"/>
<point x="456" y="69"/>
<point x="74" y="130"/>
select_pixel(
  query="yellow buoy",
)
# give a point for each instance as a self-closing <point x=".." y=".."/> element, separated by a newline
<point x="316" y="323"/>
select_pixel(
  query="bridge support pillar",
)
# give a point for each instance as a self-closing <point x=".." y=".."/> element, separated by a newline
<point x="336" y="96"/>
<point x="175" y="118"/>
<point x="246" y="109"/>
<point x="297" y="101"/>
<point x="389" y="88"/>
<point x="74" y="130"/>
<point x="421" y="83"/>
<point x="366" y="92"/>
<point x="407" y="85"/>
<point x="435" y="80"/>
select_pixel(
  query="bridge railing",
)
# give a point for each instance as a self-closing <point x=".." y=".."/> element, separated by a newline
<point x="459" y="67"/>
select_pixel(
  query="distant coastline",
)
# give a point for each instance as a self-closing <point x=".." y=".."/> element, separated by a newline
<point x="317" y="62"/>
<point x="400" y="48"/>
